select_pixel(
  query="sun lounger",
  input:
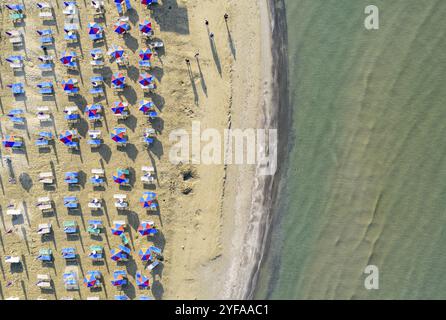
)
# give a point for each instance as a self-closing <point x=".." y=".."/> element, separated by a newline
<point x="46" y="40"/>
<point x="72" y="178"/>
<point x="97" y="63"/>
<point x="95" y="227"/>
<point x="97" y="91"/>
<point x="46" y="15"/>
<point x="46" y="66"/>
<point x="43" y="281"/>
<point x="153" y="265"/>
<point x="71" y="37"/>
<point x="70" y="227"/>
<point x="156" y="44"/>
<point x="16" y="17"/>
<point x="69" y="253"/>
<point x="70" y="281"/>
<point x="46" y="177"/>
<point x="145" y="64"/>
<point x="70" y="202"/>
<point x="96" y="253"/>
<point x="44" y="204"/>
<point x="12" y="259"/>
<point x="44" y="228"/>
<point x="45" y="255"/>
<point x="95" y="204"/>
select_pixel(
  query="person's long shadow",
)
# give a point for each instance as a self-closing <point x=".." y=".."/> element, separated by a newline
<point x="202" y="81"/>
<point x="231" y="42"/>
<point x="192" y="81"/>
<point x="215" y="54"/>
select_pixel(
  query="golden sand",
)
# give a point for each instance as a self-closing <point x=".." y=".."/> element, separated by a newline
<point x="193" y="225"/>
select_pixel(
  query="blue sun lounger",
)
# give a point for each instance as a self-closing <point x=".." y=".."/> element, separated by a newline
<point x="124" y="249"/>
<point x="74" y="116"/>
<point x="70" y="202"/>
<point x="45" y="255"/>
<point x="40" y="142"/>
<point x="148" y="140"/>
<point x="72" y="177"/>
<point x="96" y="252"/>
<point x="45" y="32"/>
<point x="96" y="81"/>
<point x="95" y="143"/>
<point x="70" y="227"/>
<point x="121" y="297"/>
<point x="97" y="181"/>
<point x="46" y="66"/>
<point x="145" y="64"/>
<point x="46" y="40"/>
<point x="97" y="91"/>
<point x="72" y="144"/>
<point x="71" y="37"/>
<point x="69" y="253"/>
<point x="17" y="88"/>
<point x="145" y="298"/>
<point x="96" y="37"/>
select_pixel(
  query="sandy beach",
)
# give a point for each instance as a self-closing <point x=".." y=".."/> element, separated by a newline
<point x="201" y="218"/>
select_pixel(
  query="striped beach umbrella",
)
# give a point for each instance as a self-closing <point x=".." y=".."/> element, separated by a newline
<point x="118" y="229"/>
<point x="141" y="280"/>
<point x="145" y="254"/>
<point x="69" y="85"/>
<point x="147" y="199"/>
<point x="146" y="106"/>
<point x="145" y="26"/>
<point x="145" y="54"/>
<point x="94" y="28"/>
<point x="121" y="27"/>
<point x="118" y="134"/>
<point x="145" y="79"/>
<point x="91" y="280"/>
<point x="145" y="228"/>
<point x="68" y="58"/>
<point x="66" y="137"/>
<point x="116" y="52"/>
<point x="119" y="107"/>
<point x="118" y="79"/>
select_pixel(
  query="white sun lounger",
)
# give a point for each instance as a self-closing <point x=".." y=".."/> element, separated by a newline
<point x="46" y="177"/>
<point x="44" y="228"/>
<point x="46" y="15"/>
<point x="13" y="212"/>
<point x="97" y="171"/>
<point x="43" y="281"/>
<point x="153" y="265"/>
<point x="12" y="259"/>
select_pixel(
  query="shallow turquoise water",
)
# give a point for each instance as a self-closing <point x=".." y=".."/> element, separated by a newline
<point x="366" y="177"/>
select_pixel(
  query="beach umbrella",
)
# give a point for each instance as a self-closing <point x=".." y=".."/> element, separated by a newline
<point x="144" y="228"/>
<point x="94" y="28"/>
<point x="146" y="106"/>
<point x="118" y="134"/>
<point x="145" y="26"/>
<point x="66" y="137"/>
<point x="118" y="229"/>
<point x="119" y="107"/>
<point x="69" y="84"/>
<point x="145" y="54"/>
<point x="90" y="280"/>
<point x="118" y="79"/>
<point x="117" y="255"/>
<point x="118" y="280"/>
<point x="67" y="58"/>
<point x="120" y="177"/>
<point x="141" y="280"/>
<point x="9" y="141"/>
<point x="121" y="27"/>
<point x="92" y="110"/>
<point x="145" y="79"/>
<point x="116" y="52"/>
<point x="145" y="254"/>
<point x="147" y="199"/>
<point x="119" y="1"/>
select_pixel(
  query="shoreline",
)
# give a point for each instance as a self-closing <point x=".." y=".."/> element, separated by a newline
<point x="263" y="197"/>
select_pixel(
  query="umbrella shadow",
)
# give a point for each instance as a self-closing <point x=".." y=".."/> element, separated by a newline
<point x="164" y="18"/>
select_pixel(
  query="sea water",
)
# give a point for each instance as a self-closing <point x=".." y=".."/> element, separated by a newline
<point x="365" y="182"/>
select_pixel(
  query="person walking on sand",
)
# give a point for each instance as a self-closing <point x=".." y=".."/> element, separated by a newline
<point x="187" y="61"/>
<point x="226" y="16"/>
<point x="211" y="35"/>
